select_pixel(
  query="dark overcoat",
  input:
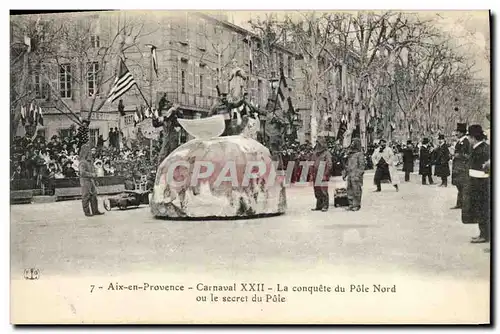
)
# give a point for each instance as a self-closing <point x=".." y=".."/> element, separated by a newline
<point x="86" y="172"/>
<point x="477" y="201"/>
<point x="425" y="161"/>
<point x="170" y="135"/>
<point x="460" y="168"/>
<point x="408" y="159"/>
<point x="442" y="161"/>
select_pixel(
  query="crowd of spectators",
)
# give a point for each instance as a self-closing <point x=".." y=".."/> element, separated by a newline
<point x="37" y="161"/>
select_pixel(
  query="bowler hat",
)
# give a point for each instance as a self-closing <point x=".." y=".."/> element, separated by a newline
<point x="476" y="131"/>
<point x="441" y="137"/>
<point x="408" y="142"/>
<point x="425" y="141"/>
<point x="462" y="127"/>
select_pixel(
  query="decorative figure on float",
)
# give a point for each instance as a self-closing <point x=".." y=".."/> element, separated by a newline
<point x="169" y="121"/>
<point x="223" y="172"/>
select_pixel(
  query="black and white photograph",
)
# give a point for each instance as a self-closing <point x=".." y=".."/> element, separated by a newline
<point x="250" y="167"/>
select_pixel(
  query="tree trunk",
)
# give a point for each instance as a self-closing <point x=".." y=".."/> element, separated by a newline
<point x="17" y="107"/>
<point x="314" y="121"/>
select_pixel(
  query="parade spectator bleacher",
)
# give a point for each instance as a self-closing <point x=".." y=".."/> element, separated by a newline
<point x="69" y="188"/>
<point x="51" y="168"/>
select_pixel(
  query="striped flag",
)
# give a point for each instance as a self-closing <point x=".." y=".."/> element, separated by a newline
<point x="284" y="93"/>
<point x="123" y="82"/>
<point x="153" y="57"/>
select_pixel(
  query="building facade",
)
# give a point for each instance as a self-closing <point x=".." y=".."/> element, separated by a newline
<point x="195" y="54"/>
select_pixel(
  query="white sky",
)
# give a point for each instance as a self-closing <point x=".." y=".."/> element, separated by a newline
<point x="471" y="29"/>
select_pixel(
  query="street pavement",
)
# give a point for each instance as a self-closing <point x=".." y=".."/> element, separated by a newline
<point x="411" y="231"/>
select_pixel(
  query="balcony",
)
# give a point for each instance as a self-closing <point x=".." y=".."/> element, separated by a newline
<point x="192" y="101"/>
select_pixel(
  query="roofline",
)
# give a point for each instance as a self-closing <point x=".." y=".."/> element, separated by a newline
<point x="241" y="30"/>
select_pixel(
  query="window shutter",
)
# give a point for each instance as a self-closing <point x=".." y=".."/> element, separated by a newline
<point x="179" y="70"/>
<point x="190" y="78"/>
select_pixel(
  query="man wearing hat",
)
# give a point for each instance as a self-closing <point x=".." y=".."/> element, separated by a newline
<point x="224" y="107"/>
<point x="441" y="161"/>
<point x="425" y="162"/>
<point x="408" y="160"/>
<point x="460" y="169"/>
<point x="476" y="194"/>
<point x="322" y="159"/>
<point x="89" y="191"/>
<point x="383" y="159"/>
<point x="168" y="121"/>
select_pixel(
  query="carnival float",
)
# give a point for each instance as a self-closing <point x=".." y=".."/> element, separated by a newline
<point x="226" y="191"/>
<point x="224" y="172"/>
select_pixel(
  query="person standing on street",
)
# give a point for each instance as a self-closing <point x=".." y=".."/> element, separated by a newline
<point x="442" y="161"/>
<point x="383" y="159"/>
<point x="89" y="191"/>
<point x="459" y="173"/>
<point x="353" y="174"/>
<point x="425" y="168"/>
<point x="476" y="194"/>
<point x="321" y="157"/>
<point x="408" y="160"/>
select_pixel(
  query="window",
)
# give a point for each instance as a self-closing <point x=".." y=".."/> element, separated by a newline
<point x="183" y="81"/>
<point x="95" y="42"/>
<point x="64" y="133"/>
<point x="40" y="88"/>
<point x="201" y="84"/>
<point x="94" y="134"/>
<point x="202" y="40"/>
<point x="92" y="83"/>
<point x="40" y="133"/>
<point x="260" y="93"/>
<point x="281" y="60"/>
<point x="290" y="66"/>
<point x="65" y="80"/>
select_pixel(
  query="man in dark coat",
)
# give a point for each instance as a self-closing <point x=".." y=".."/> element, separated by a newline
<point x="354" y="171"/>
<point x="441" y="159"/>
<point x="460" y="170"/>
<point x="321" y="158"/>
<point x="476" y="195"/>
<point x="408" y="160"/>
<point x="171" y="128"/>
<point x="225" y="108"/>
<point x="425" y="168"/>
<point x="89" y="191"/>
<point x="111" y="138"/>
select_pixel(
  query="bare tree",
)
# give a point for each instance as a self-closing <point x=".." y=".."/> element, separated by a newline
<point x="92" y="58"/>
<point x="32" y="41"/>
<point x="310" y="35"/>
<point x="224" y="50"/>
<point x="378" y="40"/>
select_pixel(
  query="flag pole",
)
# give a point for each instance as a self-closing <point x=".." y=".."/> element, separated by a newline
<point x="137" y="86"/>
<point x="151" y="98"/>
<point x="145" y="100"/>
<point x="151" y="77"/>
